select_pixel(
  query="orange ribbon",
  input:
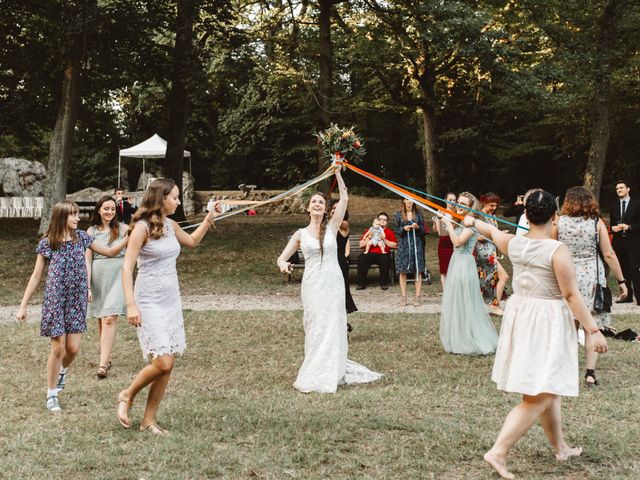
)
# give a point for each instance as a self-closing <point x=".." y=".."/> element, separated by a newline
<point x="393" y="187"/>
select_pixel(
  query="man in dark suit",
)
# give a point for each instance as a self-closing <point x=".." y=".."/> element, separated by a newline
<point x="625" y="225"/>
<point x="124" y="210"/>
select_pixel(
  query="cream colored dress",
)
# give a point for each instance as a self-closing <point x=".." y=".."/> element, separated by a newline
<point x="538" y="346"/>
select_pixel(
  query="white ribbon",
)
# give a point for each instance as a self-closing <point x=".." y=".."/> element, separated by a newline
<point x="282" y="196"/>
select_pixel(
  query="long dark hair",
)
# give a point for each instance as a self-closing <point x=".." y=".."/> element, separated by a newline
<point x="151" y="206"/>
<point x="403" y="210"/>
<point x="323" y="224"/>
<point x="96" y="218"/>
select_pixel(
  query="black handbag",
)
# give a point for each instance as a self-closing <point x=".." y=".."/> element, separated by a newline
<point x="603" y="298"/>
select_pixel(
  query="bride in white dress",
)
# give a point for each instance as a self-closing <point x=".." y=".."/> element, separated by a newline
<point x="325" y="364"/>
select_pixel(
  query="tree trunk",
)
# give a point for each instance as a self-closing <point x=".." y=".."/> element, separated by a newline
<point x="178" y="99"/>
<point x="55" y="187"/>
<point x="326" y="69"/>
<point x="432" y="167"/>
<point x="602" y="100"/>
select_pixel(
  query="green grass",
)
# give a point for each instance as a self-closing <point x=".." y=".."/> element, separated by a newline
<point x="239" y="256"/>
<point x="233" y="412"/>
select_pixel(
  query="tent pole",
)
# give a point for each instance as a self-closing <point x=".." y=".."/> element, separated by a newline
<point x="119" y="159"/>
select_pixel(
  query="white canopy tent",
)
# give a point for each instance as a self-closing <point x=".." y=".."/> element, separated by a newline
<point x="152" y="147"/>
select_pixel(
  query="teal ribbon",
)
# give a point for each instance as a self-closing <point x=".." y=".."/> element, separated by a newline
<point x="486" y="215"/>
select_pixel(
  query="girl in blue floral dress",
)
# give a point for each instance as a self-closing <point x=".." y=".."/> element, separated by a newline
<point x="66" y="292"/>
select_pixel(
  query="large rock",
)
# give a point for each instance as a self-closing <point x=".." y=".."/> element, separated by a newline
<point x="21" y="178"/>
<point x="187" y="194"/>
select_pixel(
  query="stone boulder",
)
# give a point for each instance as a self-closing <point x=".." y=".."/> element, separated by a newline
<point x="21" y="178"/>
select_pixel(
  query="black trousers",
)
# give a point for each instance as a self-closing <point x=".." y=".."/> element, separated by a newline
<point x="628" y="252"/>
<point x="365" y="260"/>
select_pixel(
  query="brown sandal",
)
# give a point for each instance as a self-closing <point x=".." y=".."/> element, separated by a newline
<point x="123" y="411"/>
<point x="102" y="372"/>
<point x="155" y="429"/>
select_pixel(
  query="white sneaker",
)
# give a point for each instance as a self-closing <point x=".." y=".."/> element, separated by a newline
<point x="53" y="405"/>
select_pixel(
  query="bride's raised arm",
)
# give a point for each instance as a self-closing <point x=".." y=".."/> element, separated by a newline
<point x="341" y="206"/>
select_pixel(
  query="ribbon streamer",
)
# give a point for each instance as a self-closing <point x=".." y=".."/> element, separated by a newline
<point x="289" y="193"/>
<point x="479" y="212"/>
<point x="424" y="203"/>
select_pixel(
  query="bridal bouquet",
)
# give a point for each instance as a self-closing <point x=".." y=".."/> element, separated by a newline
<point x="341" y="144"/>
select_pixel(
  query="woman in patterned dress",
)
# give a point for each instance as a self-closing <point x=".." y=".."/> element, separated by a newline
<point x="66" y="292"/>
<point x="493" y="276"/>
<point x="154" y="305"/>
<point x="410" y="254"/>
<point x="582" y="230"/>
<point x="105" y="279"/>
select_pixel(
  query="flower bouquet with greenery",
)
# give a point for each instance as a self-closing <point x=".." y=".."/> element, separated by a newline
<point x="339" y="144"/>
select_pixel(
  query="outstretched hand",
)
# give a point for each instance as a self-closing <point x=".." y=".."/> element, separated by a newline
<point x="468" y="221"/>
<point x="337" y="166"/>
<point x="215" y="211"/>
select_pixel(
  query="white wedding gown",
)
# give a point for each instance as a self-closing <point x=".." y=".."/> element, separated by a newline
<point x="325" y="364"/>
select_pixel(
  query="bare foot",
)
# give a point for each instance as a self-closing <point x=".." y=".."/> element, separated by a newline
<point x="124" y="404"/>
<point x="498" y="465"/>
<point x="568" y="452"/>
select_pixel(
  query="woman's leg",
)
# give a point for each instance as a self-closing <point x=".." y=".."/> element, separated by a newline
<point x="402" y="277"/>
<point x="159" y="367"/>
<point x="156" y="394"/>
<point x="71" y="348"/>
<point x="503" y="278"/>
<point x="551" y="421"/>
<point x="107" y="337"/>
<point x="418" y="284"/>
<point x="442" y="279"/>
<point x="55" y="361"/>
<point x="591" y="357"/>
<point x="518" y="421"/>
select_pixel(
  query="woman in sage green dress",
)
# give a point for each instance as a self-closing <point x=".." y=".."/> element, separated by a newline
<point x="465" y="326"/>
<point x="105" y="279"/>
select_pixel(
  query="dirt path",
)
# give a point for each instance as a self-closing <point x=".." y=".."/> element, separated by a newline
<point x="371" y="300"/>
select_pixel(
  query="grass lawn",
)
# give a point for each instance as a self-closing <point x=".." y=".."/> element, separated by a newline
<point x="233" y="412"/>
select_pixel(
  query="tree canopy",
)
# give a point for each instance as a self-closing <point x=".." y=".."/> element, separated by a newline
<point x="460" y="94"/>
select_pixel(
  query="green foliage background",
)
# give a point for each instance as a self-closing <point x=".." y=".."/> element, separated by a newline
<point x="513" y="88"/>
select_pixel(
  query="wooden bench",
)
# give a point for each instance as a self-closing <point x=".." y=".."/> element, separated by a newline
<point x="355" y="252"/>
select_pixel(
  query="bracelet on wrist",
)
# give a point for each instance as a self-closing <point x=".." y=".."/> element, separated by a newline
<point x="593" y="330"/>
<point x="620" y="282"/>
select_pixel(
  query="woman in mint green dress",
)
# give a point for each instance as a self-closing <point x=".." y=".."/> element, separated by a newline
<point x="105" y="279"/>
<point x="465" y="326"/>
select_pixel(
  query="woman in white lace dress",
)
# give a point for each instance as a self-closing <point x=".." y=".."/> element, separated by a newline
<point x="325" y="364"/>
<point x="154" y="306"/>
